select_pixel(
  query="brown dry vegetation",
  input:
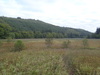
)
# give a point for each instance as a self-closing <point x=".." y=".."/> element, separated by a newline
<point x="37" y="59"/>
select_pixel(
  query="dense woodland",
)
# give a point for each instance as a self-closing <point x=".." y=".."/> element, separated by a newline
<point x="31" y="28"/>
<point x="96" y="34"/>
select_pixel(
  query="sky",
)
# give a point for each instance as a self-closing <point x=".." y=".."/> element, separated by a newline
<point x="80" y="14"/>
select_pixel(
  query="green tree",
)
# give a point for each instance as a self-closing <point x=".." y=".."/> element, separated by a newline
<point x="12" y="35"/>
<point x="96" y="34"/>
<point x="4" y="30"/>
<point x="98" y="31"/>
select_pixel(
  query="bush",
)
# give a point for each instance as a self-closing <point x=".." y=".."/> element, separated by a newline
<point x="66" y="44"/>
<point x="85" y="43"/>
<point x="49" y="42"/>
<point x="19" y="45"/>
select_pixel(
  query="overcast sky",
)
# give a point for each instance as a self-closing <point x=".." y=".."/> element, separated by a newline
<point x="84" y="14"/>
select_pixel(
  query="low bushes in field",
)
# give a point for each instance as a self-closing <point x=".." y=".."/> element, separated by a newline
<point x="66" y="44"/>
<point x="49" y="42"/>
<point x="19" y="45"/>
<point x="85" y="43"/>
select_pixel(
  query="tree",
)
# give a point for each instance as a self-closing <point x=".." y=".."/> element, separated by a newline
<point x="98" y="31"/>
<point x="18" y="17"/>
<point x="96" y="34"/>
<point x="4" y="30"/>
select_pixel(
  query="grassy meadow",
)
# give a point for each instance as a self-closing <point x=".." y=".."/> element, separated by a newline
<point x="37" y="59"/>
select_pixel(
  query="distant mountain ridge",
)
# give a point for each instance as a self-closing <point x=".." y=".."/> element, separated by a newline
<point x="31" y="28"/>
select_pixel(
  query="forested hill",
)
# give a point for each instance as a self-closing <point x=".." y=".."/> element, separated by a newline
<point x="31" y="28"/>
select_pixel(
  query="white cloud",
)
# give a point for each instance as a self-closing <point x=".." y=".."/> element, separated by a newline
<point x="67" y="13"/>
<point x="10" y="8"/>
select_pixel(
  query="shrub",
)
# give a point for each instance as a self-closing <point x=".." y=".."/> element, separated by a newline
<point x="19" y="45"/>
<point x="85" y="43"/>
<point x="66" y="44"/>
<point x="49" y="42"/>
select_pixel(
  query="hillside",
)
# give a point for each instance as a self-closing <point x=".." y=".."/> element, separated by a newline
<point x="96" y="35"/>
<point x="31" y="28"/>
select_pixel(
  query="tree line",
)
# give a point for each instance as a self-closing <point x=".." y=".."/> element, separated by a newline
<point x="6" y="31"/>
<point x="31" y="28"/>
<point x="96" y="34"/>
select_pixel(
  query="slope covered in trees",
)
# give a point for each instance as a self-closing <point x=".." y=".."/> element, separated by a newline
<point x="4" y="30"/>
<point x="96" y="34"/>
<point x="31" y="28"/>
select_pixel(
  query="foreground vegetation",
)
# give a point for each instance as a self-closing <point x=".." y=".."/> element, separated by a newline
<point x="36" y="59"/>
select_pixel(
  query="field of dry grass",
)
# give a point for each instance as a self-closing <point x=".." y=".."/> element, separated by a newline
<point x="37" y="59"/>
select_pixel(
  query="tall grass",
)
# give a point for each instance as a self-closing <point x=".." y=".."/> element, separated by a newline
<point x="83" y="63"/>
<point x="43" y="62"/>
<point x="1" y="43"/>
<point x="9" y="39"/>
<point x="37" y="59"/>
